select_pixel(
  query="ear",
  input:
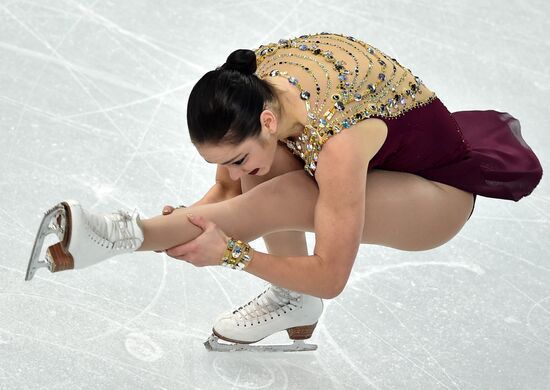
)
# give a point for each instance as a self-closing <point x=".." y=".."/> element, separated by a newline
<point x="269" y="121"/>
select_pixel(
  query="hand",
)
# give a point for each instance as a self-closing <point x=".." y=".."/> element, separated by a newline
<point x="166" y="211"/>
<point x="207" y="249"/>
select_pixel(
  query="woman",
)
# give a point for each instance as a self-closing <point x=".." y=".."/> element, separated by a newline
<point x="403" y="173"/>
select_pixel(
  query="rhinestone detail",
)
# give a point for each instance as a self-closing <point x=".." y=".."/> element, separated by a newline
<point x="384" y="89"/>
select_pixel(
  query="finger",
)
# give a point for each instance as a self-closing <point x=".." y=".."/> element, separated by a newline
<point x="167" y="210"/>
<point x="182" y="250"/>
<point x="201" y="222"/>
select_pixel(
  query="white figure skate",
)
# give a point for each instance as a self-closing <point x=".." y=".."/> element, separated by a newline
<point x="85" y="238"/>
<point x="276" y="309"/>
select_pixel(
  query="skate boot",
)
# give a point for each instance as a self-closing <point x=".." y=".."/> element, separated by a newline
<point x="274" y="310"/>
<point x="85" y="237"/>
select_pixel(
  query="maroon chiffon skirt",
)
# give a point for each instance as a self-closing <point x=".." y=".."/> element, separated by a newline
<point x="481" y="152"/>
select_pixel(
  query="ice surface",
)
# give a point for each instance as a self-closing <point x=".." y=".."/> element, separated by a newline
<point x="92" y="107"/>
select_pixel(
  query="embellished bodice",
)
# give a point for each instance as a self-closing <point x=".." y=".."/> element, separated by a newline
<point x="342" y="81"/>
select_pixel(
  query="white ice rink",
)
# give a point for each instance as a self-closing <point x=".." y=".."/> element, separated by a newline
<point x="93" y="96"/>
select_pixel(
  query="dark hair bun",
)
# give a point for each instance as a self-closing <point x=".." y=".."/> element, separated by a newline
<point x="241" y="60"/>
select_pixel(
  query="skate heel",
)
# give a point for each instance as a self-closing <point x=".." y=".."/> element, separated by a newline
<point x="301" y="332"/>
<point x="59" y="259"/>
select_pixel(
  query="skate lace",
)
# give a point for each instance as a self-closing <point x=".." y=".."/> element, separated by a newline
<point x="113" y="231"/>
<point x="273" y="301"/>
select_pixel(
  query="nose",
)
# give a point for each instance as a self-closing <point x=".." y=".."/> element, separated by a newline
<point x="235" y="173"/>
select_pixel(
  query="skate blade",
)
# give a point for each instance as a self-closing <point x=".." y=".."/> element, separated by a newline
<point x="54" y="222"/>
<point x="213" y="344"/>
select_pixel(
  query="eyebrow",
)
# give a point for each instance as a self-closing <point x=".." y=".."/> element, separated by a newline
<point x="227" y="162"/>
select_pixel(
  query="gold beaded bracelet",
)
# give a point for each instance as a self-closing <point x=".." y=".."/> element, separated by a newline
<point x="237" y="254"/>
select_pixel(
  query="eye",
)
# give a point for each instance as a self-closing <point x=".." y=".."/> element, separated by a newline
<point x="239" y="162"/>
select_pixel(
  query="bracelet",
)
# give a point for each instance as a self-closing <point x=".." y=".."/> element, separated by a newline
<point x="237" y="254"/>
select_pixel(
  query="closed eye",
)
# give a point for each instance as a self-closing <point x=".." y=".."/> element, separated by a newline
<point x="240" y="161"/>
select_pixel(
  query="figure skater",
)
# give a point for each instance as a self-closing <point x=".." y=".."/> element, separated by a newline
<point x="385" y="163"/>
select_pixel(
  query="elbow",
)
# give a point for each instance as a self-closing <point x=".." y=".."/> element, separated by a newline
<point x="333" y="291"/>
<point x="334" y="279"/>
<point x="334" y="285"/>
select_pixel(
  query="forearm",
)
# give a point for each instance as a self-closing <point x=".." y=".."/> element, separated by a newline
<point x="306" y="274"/>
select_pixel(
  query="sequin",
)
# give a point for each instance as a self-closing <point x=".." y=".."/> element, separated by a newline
<point x="388" y="90"/>
<point x="236" y="252"/>
<point x="339" y="106"/>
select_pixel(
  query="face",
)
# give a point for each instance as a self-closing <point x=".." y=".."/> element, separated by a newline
<point x="251" y="154"/>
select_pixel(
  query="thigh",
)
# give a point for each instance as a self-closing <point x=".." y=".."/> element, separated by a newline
<point x="406" y="211"/>
<point x="402" y="210"/>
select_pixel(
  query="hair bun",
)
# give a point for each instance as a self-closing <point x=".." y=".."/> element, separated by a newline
<point x="241" y="60"/>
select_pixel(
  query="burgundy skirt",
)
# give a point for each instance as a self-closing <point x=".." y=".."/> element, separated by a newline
<point x="481" y="152"/>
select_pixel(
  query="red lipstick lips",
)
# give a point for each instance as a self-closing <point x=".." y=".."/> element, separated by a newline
<point x="254" y="171"/>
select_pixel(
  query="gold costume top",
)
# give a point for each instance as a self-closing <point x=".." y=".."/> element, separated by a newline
<point x="342" y="81"/>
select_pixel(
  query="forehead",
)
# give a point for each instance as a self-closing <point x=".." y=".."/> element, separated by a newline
<point x="220" y="153"/>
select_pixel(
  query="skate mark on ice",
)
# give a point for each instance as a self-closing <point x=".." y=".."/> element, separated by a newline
<point x="143" y="347"/>
<point x="92" y="312"/>
<point x="15" y="379"/>
<point x="517" y="257"/>
<point x="536" y="304"/>
<point x="137" y="148"/>
<point x="411" y="334"/>
<point x="130" y="369"/>
<point x="344" y="355"/>
<point x="21" y="51"/>
<point x="64" y="62"/>
<point x="378" y="269"/>
<point x="382" y="339"/>
<point x="150" y="305"/>
<point x="246" y="373"/>
<point x="147" y="41"/>
<point x="504" y="219"/>
<point x="227" y="296"/>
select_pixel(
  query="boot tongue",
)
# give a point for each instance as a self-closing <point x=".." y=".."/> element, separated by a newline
<point x="284" y="294"/>
<point x="117" y="227"/>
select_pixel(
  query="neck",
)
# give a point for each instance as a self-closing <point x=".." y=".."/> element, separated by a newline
<point x="289" y="124"/>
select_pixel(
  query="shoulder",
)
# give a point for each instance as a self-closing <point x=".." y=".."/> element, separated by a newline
<point x="352" y="148"/>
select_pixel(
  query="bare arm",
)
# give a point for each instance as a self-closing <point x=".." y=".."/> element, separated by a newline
<point x="224" y="188"/>
<point x="339" y="217"/>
